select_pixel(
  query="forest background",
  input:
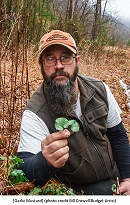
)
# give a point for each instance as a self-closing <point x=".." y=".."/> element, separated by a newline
<point x="103" y="43"/>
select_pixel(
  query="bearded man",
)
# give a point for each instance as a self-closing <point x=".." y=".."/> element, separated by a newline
<point x="88" y="160"/>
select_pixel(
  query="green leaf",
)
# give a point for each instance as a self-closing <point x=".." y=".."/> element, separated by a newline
<point x="35" y="191"/>
<point x="61" y="123"/>
<point x="17" y="176"/>
<point x="47" y="190"/>
<point x="15" y="159"/>
<point x="17" y="172"/>
<point x="113" y="187"/>
<point x="58" y="127"/>
<point x="71" y="122"/>
<point x="66" y="125"/>
<point x="75" y="127"/>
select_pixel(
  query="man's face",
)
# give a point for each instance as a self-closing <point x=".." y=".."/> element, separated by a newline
<point x="59" y="72"/>
<point x="60" y="78"/>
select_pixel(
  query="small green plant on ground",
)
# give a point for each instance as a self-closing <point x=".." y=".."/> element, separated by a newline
<point x="35" y="191"/>
<point x="54" y="189"/>
<point x="14" y="175"/>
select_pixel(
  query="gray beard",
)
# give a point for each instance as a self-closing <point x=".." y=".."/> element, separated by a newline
<point x="61" y="98"/>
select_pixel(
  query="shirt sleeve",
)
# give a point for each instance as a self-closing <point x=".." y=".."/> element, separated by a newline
<point x="36" y="168"/>
<point x="121" y="149"/>
<point x="114" y="110"/>
<point x="32" y="131"/>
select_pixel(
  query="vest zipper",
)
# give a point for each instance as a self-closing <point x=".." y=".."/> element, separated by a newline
<point x="85" y="131"/>
<point x="99" y="154"/>
<point x="96" y="148"/>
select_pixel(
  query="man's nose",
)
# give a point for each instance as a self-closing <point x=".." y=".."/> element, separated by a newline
<point x="58" y="64"/>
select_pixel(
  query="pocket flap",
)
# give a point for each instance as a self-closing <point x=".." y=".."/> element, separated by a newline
<point x="96" y="113"/>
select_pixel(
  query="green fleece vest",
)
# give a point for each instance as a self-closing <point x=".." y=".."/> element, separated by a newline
<point x="90" y="154"/>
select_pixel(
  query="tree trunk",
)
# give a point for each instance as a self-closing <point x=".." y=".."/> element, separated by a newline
<point x="70" y="9"/>
<point x="97" y="18"/>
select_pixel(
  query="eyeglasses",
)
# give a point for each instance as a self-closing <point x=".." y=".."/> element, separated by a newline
<point x="65" y="60"/>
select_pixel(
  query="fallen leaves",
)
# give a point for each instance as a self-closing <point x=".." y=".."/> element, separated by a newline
<point x="111" y="66"/>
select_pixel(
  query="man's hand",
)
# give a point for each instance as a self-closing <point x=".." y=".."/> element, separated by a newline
<point x="124" y="187"/>
<point x="55" y="148"/>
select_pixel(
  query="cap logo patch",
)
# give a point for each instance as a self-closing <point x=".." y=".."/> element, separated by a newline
<point x="56" y="37"/>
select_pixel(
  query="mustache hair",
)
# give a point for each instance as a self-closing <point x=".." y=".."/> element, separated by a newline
<point x="50" y="80"/>
<point x="59" y="72"/>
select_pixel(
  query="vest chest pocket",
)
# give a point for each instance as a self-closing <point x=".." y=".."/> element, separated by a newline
<point x="96" y="113"/>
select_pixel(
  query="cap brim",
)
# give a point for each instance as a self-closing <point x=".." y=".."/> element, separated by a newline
<point x="57" y="43"/>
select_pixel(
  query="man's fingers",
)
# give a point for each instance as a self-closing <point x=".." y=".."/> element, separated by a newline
<point x="59" y="153"/>
<point x="56" y="145"/>
<point x="57" y="158"/>
<point x="124" y="188"/>
<point x="56" y="136"/>
<point x="61" y="161"/>
<point x="55" y="148"/>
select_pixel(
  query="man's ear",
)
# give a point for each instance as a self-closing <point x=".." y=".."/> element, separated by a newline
<point x="78" y="59"/>
<point x="40" y="63"/>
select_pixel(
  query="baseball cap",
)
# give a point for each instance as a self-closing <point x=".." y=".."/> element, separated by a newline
<point x="57" y="37"/>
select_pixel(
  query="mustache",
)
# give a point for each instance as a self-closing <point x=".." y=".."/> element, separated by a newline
<point x="59" y="72"/>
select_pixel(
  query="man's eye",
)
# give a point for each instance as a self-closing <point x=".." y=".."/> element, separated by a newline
<point x="49" y="59"/>
<point x="65" y="58"/>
